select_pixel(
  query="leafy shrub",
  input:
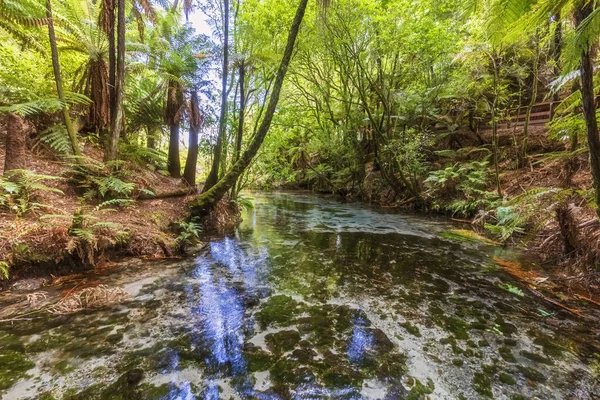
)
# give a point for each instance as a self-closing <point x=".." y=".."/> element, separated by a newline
<point x="189" y="233"/>
<point x="18" y="189"/>
<point x="461" y="188"/>
<point x="97" y="180"/>
<point x="142" y="155"/>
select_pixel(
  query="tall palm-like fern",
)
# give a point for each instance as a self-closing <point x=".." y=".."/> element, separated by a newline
<point x="175" y="55"/>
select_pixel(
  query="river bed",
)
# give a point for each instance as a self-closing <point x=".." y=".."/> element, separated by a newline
<point x="310" y="298"/>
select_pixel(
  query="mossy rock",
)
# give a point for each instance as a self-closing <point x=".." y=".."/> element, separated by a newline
<point x="282" y="341"/>
<point x="410" y="328"/>
<point x="506" y="354"/>
<point x="419" y="390"/>
<point x="507" y="379"/>
<point x="257" y="358"/>
<point x="532" y="374"/>
<point x="279" y="310"/>
<point x="506" y="328"/>
<point x="9" y="341"/>
<point x="537" y="357"/>
<point x="124" y="388"/>
<point x="482" y="384"/>
<point x="14" y="366"/>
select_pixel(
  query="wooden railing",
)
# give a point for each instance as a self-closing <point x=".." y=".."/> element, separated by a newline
<point x="541" y="114"/>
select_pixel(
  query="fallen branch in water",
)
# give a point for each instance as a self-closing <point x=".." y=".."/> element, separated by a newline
<point x="95" y="297"/>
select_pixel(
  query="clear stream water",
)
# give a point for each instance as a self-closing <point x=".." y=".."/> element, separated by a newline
<point x="311" y="298"/>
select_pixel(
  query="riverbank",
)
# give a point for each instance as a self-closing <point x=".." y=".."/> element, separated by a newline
<point x="49" y="231"/>
<point x="545" y="206"/>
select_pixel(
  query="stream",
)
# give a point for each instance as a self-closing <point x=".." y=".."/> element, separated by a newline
<point x="310" y="298"/>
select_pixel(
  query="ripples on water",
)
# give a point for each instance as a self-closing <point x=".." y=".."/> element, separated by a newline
<point x="310" y="299"/>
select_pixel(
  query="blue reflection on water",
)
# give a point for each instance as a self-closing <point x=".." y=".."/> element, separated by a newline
<point x="360" y="341"/>
<point x="221" y="280"/>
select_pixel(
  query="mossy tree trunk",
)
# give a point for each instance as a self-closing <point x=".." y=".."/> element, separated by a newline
<point x="207" y="200"/>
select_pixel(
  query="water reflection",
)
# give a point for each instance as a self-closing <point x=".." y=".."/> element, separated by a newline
<point x="313" y="299"/>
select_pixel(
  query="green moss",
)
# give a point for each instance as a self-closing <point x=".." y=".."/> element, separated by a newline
<point x="47" y="342"/>
<point x="419" y="390"/>
<point x="507" y="379"/>
<point x="151" y="392"/>
<point x="257" y="358"/>
<point x="537" y="357"/>
<point x="9" y="341"/>
<point x="114" y="338"/>
<point x="483" y="343"/>
<point x="278" y="310"/>
<point x="125" y="388"/>
<point x="482" y="384"/>
<point x="506" y="354"/>
<point x="457" y="327"/>
<point x="14" y="367"/>
<point x="63" y="367"/>
<point x="532" y="374"/>
<point x="458" y="362"/>
<point x="451" y="340"/>
<point x="518" y="396"/>
<point x="506" y="328"/>
<point x="410" y="328"/>
<point x="282" y="341"/>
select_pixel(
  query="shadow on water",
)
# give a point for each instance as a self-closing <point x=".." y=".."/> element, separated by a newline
<point x="311" y="299"/>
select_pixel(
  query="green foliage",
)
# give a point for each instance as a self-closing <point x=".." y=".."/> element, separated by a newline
<point x="509" y="223"/>
<point x="97" y="180"/>
<point x="58" y="139"/>
<point x="19" y="189"/>
<point x="461" y="188"/>
<point x="4" y="268"/>
<point x="189" y="233"/>
<point x="142" y="155"/>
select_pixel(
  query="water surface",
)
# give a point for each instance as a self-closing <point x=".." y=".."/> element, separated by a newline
<point x="310" y="299"/>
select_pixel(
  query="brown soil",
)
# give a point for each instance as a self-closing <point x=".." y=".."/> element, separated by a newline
<point x="40" y="245"/>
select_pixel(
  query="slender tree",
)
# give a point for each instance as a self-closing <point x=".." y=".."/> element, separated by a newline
<point x="59" y="82"/>
<point x="209" y="198"/>
<point x="117" y="114"/>
<point x="213" y="175"/>
<point x="240" y="131"/>
<point x="189" y="172"/>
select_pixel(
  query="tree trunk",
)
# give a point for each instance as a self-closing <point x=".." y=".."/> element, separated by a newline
<point x="59" y="83"/>
<point x="117" y="115"/>
<point x="557" y="50"/>
<point x="189" y="173"/>
<point x="213" y="175"/>
<point x="589" y="108"/>
<point x="173" y="163"/>
<point x="107" y="23"/>
<point x="152" y="137"/>
<point x="534" y="92"/>
<point x="207" y="200"/>
<point x="240" y="132"/>
<point x="16" y="143"/>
